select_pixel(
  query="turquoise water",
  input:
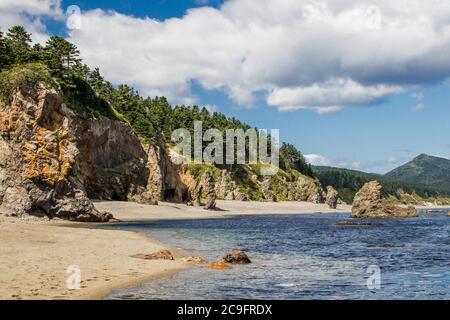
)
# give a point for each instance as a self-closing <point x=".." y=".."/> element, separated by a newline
<point x="304" y="257"/>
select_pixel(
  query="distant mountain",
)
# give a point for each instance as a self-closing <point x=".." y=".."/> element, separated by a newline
<point x="424" y="170"/>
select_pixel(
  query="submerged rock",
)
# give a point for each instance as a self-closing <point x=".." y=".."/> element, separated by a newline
<point x="332" y="197"/>
<point x="384" y="245"/>
<point x="370" y="202"/>
<point x="236" y="257"/>
<point x="160" y="255"/>
<point x="359" y="224"/>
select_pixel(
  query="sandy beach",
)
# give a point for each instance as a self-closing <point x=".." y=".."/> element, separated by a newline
<point x="35" y="253"/>
<point x="35" y="256"/>
<point x="129" y="211"/>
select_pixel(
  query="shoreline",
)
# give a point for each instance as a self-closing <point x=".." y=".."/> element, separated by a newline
<point x="37" y="252"/>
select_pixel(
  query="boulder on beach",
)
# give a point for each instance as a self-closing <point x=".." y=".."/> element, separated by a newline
<point x="236" y="257"/>
<point x="370" y="202"/>
<point x="332" y="197"/>
<point x="160" y="255"/>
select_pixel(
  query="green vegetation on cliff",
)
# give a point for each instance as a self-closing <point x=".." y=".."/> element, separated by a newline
<point x="27" y="74"/>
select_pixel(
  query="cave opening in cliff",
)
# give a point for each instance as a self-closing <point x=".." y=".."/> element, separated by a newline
<point x="169" y="194"/>
<point x="185" y="196"/>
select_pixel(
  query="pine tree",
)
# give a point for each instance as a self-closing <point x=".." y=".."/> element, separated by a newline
<point x="61" y="54"/>
<point x="291" y="158"/>
<point x="61" y="58"/>
<point x="19" y="43"/>
<point x="5" y="53"/>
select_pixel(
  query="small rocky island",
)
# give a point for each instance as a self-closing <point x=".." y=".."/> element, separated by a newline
<point x="370" y="202"/>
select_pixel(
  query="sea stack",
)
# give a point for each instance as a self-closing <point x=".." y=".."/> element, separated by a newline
<point x="332" y="197"/>
<point x="370" y="202"/>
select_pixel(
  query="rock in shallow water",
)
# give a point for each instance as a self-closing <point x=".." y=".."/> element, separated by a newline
<point x="236" y="257"/>
<point x="370" y="202"/>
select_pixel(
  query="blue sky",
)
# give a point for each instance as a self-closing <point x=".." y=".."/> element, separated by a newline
<point x="350" y="103"/>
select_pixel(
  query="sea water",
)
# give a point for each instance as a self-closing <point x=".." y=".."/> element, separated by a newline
<point x="305" y="257"/>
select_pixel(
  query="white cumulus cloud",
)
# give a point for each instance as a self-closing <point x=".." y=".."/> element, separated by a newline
<point x="29" y="13"/>
<point x="329" y="96"/>
<point x="299" y="54"/>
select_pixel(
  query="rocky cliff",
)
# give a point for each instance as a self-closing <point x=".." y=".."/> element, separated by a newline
<point x="52" y="162"/>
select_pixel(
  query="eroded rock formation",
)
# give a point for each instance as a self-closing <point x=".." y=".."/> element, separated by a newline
<point x="370" y="202"/>
<point x="203" y="187"/>
<point x="52" y="162"/>
<point x="167" y="179"/>
<point x="332" y="197"/>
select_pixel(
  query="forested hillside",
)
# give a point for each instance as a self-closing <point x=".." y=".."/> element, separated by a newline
<point x="431" y="172"/>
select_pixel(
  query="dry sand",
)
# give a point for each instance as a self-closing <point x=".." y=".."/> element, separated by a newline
<point x="35" y="254"/>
